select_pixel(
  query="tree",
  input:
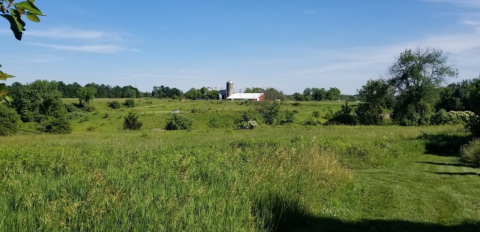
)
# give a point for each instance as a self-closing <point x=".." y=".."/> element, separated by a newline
<point x="333" y="94"/>
<point x="298" y="96"/>
<point x="13" y="12"/>
<point x="131" y="122"/>
<point x="307" y="92"/>
<point x="319" y="94"/>
<point x="416" y="75"/>
<point x="372" y="95"/>
<point x="212" y="94"/>
<point x="8" y="120"/>
<point x="86" y="94"/>
<point x="193" y="94"/>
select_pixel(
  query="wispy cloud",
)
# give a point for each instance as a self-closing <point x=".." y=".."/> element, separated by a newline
<point x="106" y="48"/>
<point x="467" y="3"/>
<point x="67" y="33"/>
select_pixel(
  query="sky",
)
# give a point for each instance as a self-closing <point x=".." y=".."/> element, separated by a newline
<point x="285" y="44"/>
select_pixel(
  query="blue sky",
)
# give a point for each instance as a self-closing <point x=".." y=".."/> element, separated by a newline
<point x="285" y="44"/>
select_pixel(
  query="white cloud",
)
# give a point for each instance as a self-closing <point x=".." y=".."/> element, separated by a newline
<point x="66" y="33"/>
<point x="105" y="48"/>
<point x="467" y="3"/>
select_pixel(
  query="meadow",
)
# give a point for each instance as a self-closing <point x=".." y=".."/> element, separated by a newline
<point x="273" y="178"/>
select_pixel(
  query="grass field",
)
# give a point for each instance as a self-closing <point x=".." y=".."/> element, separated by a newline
<point x="284" y="178"/>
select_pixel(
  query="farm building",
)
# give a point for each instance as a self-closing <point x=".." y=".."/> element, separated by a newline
<point x="247" y="96"/>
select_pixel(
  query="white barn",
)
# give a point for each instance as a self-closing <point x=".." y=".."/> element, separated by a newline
<point x="247" y="96"/>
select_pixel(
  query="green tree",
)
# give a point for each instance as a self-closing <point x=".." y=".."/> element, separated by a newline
<point x="372" y="95"/>
<point x="8" y="120"/>
<point x="271" y="113"/>
<point x="13" y="12"/>
<point x="212" y="94"/>
<point x="416" y="75"/>
<point x="333" y="94"/>
<point x="86" y="94"/>
<point x="131" y="122"/>
<point x="193" y="94"/>
<point x="298" y="96"/>
<point x="319" y="94"/>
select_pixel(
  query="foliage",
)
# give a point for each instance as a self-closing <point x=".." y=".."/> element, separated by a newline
<point x="178" y="122"/>
<point x="86" y="94"/>
<point x="131" y="122"/>
<point x="214" y="122"/>
<point x="289" y="117"/>
<point x="311" y="122"/>
<point x="9" y="120"/>
<point x="471" y="152"/>
<point x="316" y="114"/>
<point x="212" y="94"/>
<point x="114" y="105"/>
<point x="13" y="12"/>
<point x="166" y="92"/>
<point x="333" y="94"/>
<point x="473" y="125"/>
<point x="77" y="115"/>
<point x="56" y="126"/>
<point x="372" y="95"/>
<point x="36" y="100"/>
<point x="130" y="103"/>
<point x="343" y="119"/>
<point x="416" y="75"/>
<point x="443" y="117"/>
<point x="271" y="112"/>
<point x="193" y="94"/>
<point x="246" y="121"/>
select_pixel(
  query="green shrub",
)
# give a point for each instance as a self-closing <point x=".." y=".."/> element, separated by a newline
<point x="91" y="128"/>
<point x="473" y="125"/>
<point x="316" y="114"/>
<point x="311" y="122"/>
<point x="131" y="122"/>
<point x="114" y="105"/>
<point x="289" y="117"/>
<point x="77" y="115"/>
<point x="343" y="119"/>
<point x="56" y="126"/>
<point x="89" y="108"/>
<point x="214" y="122"/>
<point x="443" y="117"/>
<point x="8" y="120"/>
<point x="71" y="108"/>
<point x="106" y="115"/>
<point x="471" y="152"/>
<point x="130" y="103"/>
<point x="247" y="121"/>
<point x="178" y="122"/>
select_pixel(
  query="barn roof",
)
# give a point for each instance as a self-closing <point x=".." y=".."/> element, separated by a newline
<point x="245" y="96"/>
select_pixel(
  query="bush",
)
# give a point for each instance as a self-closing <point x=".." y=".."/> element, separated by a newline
<point x="114" y="105"/>
<point x="214" y="122"/>
<point x="289" y="117"/>
<point x="316" y="114"/>
<point x="443" y="117"/>
<point x="311" y="122"/>
<point x="343" y="119"/>
<point x="247" y="121"/>
<point x="56" y="126"/>
<point x="89" y="108"/>
<point x="369" y="114"/>
<point x="131" y="122"/>
<point x="471" y="152"/>
<point x="129" y="103"/>
<point x="106" y="115"/>
<point x="8" y="120"/>
<point x="71" y="108"/>
<point x="178" y="122"/>
<point x="473" y="125"/>
<point x="77" y="115"/>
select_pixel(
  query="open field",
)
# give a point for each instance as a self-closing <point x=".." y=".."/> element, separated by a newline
<point x="284" y="178"/>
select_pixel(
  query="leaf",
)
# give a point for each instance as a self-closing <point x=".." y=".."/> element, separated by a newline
<point x="8" y="99"/>
<point x="3" y="90"/>
<point x="28" y="5"/>
<point x="18" y="19"/>
<point x="33" y="17"/>
<point x="4" y="76"/>
<point x="13" y="26"/>
<point x="32" y="1"/>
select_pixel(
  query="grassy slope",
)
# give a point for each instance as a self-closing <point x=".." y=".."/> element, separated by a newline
<point x="285" y="179"/>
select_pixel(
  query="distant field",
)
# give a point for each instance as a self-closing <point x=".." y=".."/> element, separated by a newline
<point x="153" y="112"/>
<point x="282" y="178"/>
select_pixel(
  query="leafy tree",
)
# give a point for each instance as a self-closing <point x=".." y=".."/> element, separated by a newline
<point x="8" y="120"/>
<point x="372" y="95"/>
<point x="204" y="91"/>
<point x="36" y="100"/>
<point x="333" y="94"/>
<point x="13" y="12"/>
<point x="193" y="94"/>
<point x="212" y="94"/>
<point x="178" y="122"/>
<point x="114" y="105"/>
<point x="130" y="103"/>
<point x="307" y="92"/>
<point x="271" y="113"/>
<point x="298" y="96"/>
<point x="86" y="94"/>
<point x="59" y="125"/>
<point x="131" y="122"/>
<point x="416" y="75"/>
<point x="319" y="94"/>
